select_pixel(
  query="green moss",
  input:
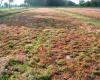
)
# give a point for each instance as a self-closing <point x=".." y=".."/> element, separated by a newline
<point x="28" y="48"/>
<point x="1" y="33"/>
<point x="46" y="20"/>
<point x="85" y="65"/>
<point x="96" y="73"/>
<point x="4" y="77"/>
<point x="92" y="75"/>
<point x="42" y="74"/>
<point x="62" y="69"/>
<point x="60" y="62"/>
<point x="10" y="44"/>
<point x="41" y="65"/>
<point x="83" y="56"/>
<point x="96" y="49"/>
<point x="78" y="75"/>
<point x="13" y="77"/>
<point x="15" y="68"/>
<point x="32" y="48"/>
<point x="34" y="60"/>
<point x="31" y="77"/>
<point x="13" y="62"/>
<point x="74" y="55"/>
<point x="21" y="68"/>
<point x="45" y="78"/>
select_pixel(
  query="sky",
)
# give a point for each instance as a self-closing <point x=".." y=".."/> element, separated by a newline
<point x="16" y="1"/>
<point x="21" y="1"/>
<point x="77" y="1"/>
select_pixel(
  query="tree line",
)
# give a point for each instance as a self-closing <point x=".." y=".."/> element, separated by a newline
<point x="91" y="3"/>
<point x="49" y="3"/>
<point x="6" y="4"/>
<point x="53" y="3"/>
<point x="82" y="3"/>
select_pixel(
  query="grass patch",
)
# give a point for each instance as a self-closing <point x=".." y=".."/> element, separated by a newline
<point x="4" y="77"/>
<point x="1" y="33"/>
<point x="10" y="45"/>
<point x="41" y="74"/>
<point x="86" y="19"/>
<point x="6" y="13"/>
<point x="13" y="62"/>
<point x="15" y="68"/>
<point x="7" y="9"/>
<point x="29" y="48"/>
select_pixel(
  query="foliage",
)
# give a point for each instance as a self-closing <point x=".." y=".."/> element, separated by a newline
<point x="10" y="1"/>
<point x="81" y="2"/>
<point x="61" y="48"/>
<point x="92" y="3"/>
<point x="49" y="3"/>
<point x="1" y="3"/>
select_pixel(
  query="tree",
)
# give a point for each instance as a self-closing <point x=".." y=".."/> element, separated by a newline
<point x="10" y="1"/>
<point x="1" y="2"/>
<point x="56" y="2"/>
<point x="95" y="3"/>
<point x="88" y="4"/>
<point x="48" y="2"/>
<point x="92" y="3"/>
<point x="6" y="5"/>
<point x="69" y="3"/>
<point x="81" y="2"/>
<point x="35" y="2"/>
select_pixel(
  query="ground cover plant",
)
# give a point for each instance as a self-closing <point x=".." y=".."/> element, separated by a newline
<point x="94" y="12"/>
<point x="46" y="44"/>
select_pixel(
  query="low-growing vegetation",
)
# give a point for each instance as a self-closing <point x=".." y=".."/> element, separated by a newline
<point x="48" y="46"/>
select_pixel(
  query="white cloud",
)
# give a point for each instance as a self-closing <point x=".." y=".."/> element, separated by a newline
<point x="15" y="1"/>
<point x="77" y="1"/>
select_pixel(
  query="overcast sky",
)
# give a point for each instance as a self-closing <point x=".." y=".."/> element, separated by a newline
<point x="77" y="1"/>
<point x="21" y="1"/>
<point x="16" y="1"/>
